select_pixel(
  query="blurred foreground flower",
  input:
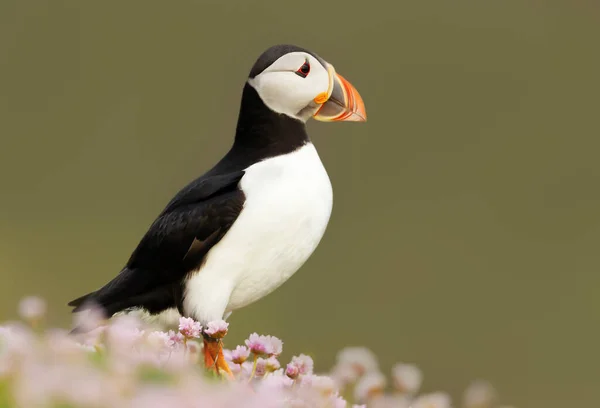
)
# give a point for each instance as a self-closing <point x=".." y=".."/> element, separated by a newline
<point x="32" y="308"/>
<point x="126" y="364"/>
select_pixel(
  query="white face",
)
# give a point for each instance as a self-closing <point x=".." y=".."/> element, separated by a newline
<point x="285" y="87"/>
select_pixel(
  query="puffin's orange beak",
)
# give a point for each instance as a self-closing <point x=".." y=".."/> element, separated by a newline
<point x="341" y="102"/>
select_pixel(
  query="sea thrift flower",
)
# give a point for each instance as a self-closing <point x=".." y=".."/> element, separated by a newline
<point x="276" y="346"/>
<point x="240" y="354"/>
<point x="258" y="345"/>
<point x="246" y="369"/>
<point x="90" y="319"/>
<point x="370" y="385"/>
<point x="189" y="328"/>
<point x="261" y="367"/>
<point x="275" y="381"/>
<point x="176" y="338"/>
<point x="433" y="400"/>
<point x="32" y="308"/>
<point x="360" y="358"/>
<point x="141" y="367"/>
<point x="292" y="371"/>
<point x="273" y="364"/>
<point x="344" y="374"/>
<point x="159" y="340"/>
<point x="123" y="334"/>
<point x="217" y="329"/>
<point x="407" y="378"/>
<point x="480" y="394"/>
<point x="321" y="383"/>
<point x="304" y="364"/>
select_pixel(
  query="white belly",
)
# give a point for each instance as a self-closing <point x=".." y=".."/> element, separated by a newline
<point x="287" y="208"/>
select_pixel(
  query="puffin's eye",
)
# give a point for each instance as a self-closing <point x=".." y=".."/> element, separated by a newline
<point x="304" y="70"/>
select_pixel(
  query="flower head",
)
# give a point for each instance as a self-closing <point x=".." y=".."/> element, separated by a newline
<point x="304" y="363"/>
<point x="258" y="345"/>
<point x="273" y="364"/>
<point x="32" y="308"/>
<point x="320" y="383"/>
<point x="217" y="329"/>
<point x="292" y="371"/>
<point x="407" y="378"/>
<point x="276" y="346"/>
<point x="89" y="319"/>
<point x="261" y="367"/>
<point x="361" y="359"/>
<point x="176" y="338"/>
<point x="480" y="394"/>
<point x="159" y="340"/>
<point x="371" y="384"/>
<point x="189" y="328"/>
<point x="240" y="354"/>
<point x="275" y="381"/>
<point x="344" y="374"/>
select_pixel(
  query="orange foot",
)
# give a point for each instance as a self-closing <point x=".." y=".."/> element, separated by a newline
<point x="214" y="359"/>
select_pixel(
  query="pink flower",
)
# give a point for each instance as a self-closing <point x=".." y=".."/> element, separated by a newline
<point x="240" y="354"/>
<point x="304" y="363"/>
<point x="246" y="369"/>
<point x="32" y="308"/>
<point x="272" y="364"/>
<point x="258" y="345"/>
<point x="264" y="345"/>
<point x="407" y="378"/>
<point x="261" y="367"/>
<point x="292" y="371"/>
<point x="371" y="384"/>
<point x="479" y="394"/>
<point x="175" y="338"/>
<point x="320" y="383"/>
<point x="159" y="340"/>
<point x="276" y="345"/>
<point x="217" y="329"/>
<point x="189" y="328"/>
<point x="275" y="382"/>
<point x="361" y="359"/>
<point x="89" y="319"/>
<point x="344" y="374"/>
<point x="123" y="334"/>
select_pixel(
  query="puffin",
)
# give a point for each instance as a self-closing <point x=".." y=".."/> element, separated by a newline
<point x="238" y="232"/>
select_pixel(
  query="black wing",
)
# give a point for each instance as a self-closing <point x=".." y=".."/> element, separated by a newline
<point x="176" y="243"/>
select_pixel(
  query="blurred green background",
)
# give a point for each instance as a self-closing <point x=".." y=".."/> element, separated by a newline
<point x="466" y="222"/>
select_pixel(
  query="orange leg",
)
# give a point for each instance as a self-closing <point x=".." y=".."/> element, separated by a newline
<point x="214" y="359"/>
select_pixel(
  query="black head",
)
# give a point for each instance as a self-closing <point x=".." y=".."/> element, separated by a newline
<point x="274" y="53"/>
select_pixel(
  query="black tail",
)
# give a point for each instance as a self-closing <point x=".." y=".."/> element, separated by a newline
<point x="79" y="303"/>
<point x="128" y="290"/>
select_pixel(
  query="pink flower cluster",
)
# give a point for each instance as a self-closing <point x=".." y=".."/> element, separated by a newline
<point x="125" y="364"/>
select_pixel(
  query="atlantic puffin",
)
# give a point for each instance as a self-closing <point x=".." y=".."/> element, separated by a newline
<point x="236" y="233"/>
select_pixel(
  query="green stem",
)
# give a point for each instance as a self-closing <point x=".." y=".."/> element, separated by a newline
<point x="253" y="368"/>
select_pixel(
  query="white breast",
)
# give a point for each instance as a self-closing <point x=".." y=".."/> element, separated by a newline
<point x="287" y="208"/>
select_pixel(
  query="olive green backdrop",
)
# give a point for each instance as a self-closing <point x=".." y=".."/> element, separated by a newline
<point x="466" y="225"/>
